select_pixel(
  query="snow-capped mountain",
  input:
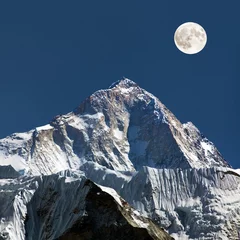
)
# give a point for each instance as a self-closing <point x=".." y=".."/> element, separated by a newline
<point x="123" y="128"/>
<point x="124" y="138"/>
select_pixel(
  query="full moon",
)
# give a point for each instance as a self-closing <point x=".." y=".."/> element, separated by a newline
<point x="190" y="38"/>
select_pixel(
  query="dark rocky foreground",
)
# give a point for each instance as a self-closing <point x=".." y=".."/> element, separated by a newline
<point x="104" y="219"/>
<point x="83" y="210"/>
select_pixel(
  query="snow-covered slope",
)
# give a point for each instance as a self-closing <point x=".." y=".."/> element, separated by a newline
<point x="121" y="138"/>
<point x="123" y="128"/>
<point x="14" y="196"/>
<point x="68" y="206"/>
<point x="190" y="203"/>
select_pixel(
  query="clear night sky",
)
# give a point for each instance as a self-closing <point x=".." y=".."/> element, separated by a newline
<point x="53" y="54"/>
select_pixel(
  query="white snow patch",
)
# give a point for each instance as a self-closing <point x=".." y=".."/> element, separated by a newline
<point x="24" y="136"/>
<point x="180" y="236"/>
<point x="96" y="115"/>
<point x="190" y="202"/>
<point x="77" y="122"/>
<point x="236" y="170"/>
<point x="45" y="127"/>
<point x="17" y="162"/>
<point x="126" y="90"/>
<point x="136" y="212"/>
<point x="207" y="147"/>
<point x="117" y="133"/>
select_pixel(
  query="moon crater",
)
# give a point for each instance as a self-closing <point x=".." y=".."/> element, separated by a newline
<point x="190" y="38"/>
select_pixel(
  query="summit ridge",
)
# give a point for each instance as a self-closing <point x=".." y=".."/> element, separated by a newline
<point x="124" y="82"/>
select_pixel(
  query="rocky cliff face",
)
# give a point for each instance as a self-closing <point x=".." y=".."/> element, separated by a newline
<point x="190" y="203"/>
<point x="126" y="139"/>
<point x="123" y="128"/>
<point x="68" y="206"/>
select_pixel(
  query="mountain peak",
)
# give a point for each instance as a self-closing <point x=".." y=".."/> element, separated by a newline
<point x="122" y="128"/>
<point x="124" y="83"/>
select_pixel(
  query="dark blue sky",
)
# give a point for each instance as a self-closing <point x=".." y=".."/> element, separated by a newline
<point x="53" y="54"/>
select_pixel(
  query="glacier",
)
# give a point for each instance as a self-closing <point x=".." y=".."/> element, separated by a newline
<point x="69" y="206"/>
